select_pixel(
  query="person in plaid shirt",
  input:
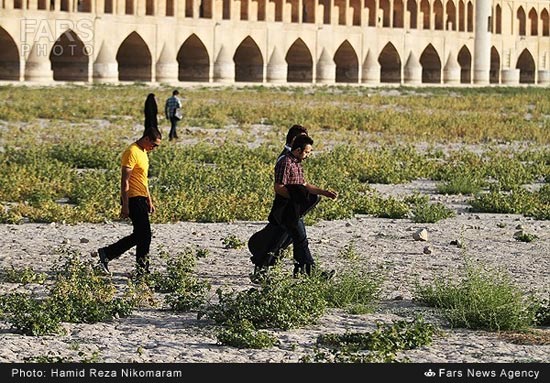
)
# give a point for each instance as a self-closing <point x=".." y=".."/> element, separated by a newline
<point x="290" y="187"/>
<point x="172" y="105"/>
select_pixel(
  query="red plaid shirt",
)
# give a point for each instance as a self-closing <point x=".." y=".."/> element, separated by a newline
<point x="288" y="170"/>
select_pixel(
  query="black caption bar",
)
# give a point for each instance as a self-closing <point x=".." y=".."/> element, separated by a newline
<point x="172" y="372"/>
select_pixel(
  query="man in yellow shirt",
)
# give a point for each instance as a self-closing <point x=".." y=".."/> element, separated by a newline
<point x="136" y="203"/>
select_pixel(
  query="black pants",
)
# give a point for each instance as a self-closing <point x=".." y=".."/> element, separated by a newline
<point x="300" y="246"/>
<point x="173" y="126"/>
<point x="140" y="237"/>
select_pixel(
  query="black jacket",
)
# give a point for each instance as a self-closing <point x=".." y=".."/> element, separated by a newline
<point x="285" y="211"/>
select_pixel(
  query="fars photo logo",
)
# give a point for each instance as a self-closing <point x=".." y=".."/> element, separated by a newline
<point x="429" y="373"/>
<point x="60" y="37"/>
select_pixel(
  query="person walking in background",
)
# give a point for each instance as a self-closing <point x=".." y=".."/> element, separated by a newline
<point x="292" y="199"/>
<point x="173" y="103"/>
<point x="150" y="110"/>
<point x="136" y="202"/>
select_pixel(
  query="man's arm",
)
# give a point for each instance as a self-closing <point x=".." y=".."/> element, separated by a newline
<point x="280" y="189"/>
<point x="318" y="191"/>
<point x="167" y="109"/>
<point x="124" y="188"/>
<point x="150" y="202"/>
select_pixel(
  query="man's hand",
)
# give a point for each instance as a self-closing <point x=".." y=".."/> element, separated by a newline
<point x="151" y="206"/>
<point x="330" y="194"/>
<point x="124" y="212"/>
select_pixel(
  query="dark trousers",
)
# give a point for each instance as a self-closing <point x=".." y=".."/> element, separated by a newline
<point x="287" y="239"/>
<point x="140" y="237"/>
<point x="300" y="247"/>
<point x="173" y="125"/>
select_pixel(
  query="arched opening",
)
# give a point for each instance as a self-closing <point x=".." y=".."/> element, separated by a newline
<point x="494" y="73"/>
<point x="129" y="7"/>
<point x="413" y="13"/>
<point x="398" y="14"/>
<point x="69" y="58"/>
<point x="108" y="6"/>
<point x="134" y="59"/>
<point x="262" y="4"/>
<point x="150" y="7"/>
<point x="357" y="8"/>
<point x="438" y="19"/>
<point x="340" y="5"/>
<point x="461" y="16"/>
<point x="390" y="64"/>
<point x="470" y="26"/>
<point x="249" y="64"/>
<point x="385" y="8"/>
<point x="451" y="16"/>
<point x="193" y="60"/>
<point x="545" y="23"/>
<point x="347" y="64"/>
<point x="533" y="20"/>
<point x="226" y="9"/>
<point x="498" y="19"/>
<point x="84" y="6"/>
<point x="425" y="10"/>
<point x="205" y="9"/>
<point x="279" y="9"/>
<point x="244" y="10"/>
<point x="9" y="57"/>
<point x="371" y="6"/>
<point x="308" y="12"/>
<point x="465" y="62"/>
<point x="526" y="66"/>
<point x="431" y="66"/>
<point x="170" y="8"/>
<point x="300" y="63"/>
<point x="521" y="21"/>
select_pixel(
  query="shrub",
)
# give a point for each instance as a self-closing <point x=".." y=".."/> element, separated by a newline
<point x="185" y="291"/>
<point x="383" y="343"/>
<point x="244" y="335"/>
<point x="431" y="213"/>
<point x="25" y="275"/>
<point x="29" y="315"/>
<point x="280" y="302"/>
<point x="481" y="299"/>
<point x="355" y="289"/>
<point x="80" y="293"/>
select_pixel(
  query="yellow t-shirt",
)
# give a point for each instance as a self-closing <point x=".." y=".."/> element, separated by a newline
<point x="136" y="159"/>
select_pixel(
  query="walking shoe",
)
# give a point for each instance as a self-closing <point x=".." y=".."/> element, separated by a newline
<point x="327" y="275"/>
<point x="298" y="270"/>
<point x="103" y="261"/>
<point x="259" y="275"/>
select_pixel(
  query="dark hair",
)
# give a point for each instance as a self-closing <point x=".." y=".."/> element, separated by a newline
<point x="295" y="130"/>
<point x="301" y="142"/>
<point x="152" y="134"/>
<point x="175" y="92"/>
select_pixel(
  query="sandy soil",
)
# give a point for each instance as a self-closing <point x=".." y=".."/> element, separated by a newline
<point x="156" y="335"/>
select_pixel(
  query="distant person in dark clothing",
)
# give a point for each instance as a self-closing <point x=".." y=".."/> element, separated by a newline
<point x="291" y="198"/>
<point x="150" y="110"/>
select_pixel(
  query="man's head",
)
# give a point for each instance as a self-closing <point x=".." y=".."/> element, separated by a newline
<point x="175" y="92"/>
<point x="151" y="138"/>
<point x="293" y="132"/>
<point x="302" y="147"/>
